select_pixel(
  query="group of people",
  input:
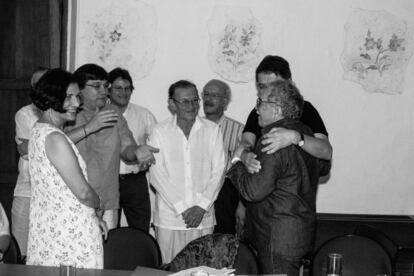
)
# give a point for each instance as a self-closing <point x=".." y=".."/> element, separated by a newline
<point x="87" y="152"/>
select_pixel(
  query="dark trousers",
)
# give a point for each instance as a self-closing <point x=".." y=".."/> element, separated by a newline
<point x="286" y="265"/>
<point x="225" y="208"/>
<point x="134" y="200"/>
<point x="278" y="264"/>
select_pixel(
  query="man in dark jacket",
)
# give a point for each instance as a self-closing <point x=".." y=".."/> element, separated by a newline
<point x="280" y="219"/>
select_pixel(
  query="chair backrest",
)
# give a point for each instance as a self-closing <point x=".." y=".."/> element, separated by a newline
<point x="361" y="256"/>
<point x="213" y="250"/>
<point x="12" y="255"/>
<point x="246" y="261"/>
<point x="375" y="234"/>
<point x="127" y="248"/>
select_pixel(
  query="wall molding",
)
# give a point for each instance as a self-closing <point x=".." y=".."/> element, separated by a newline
<point x="364" y="218"/>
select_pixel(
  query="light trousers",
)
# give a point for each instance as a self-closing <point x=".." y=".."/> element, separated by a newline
<point x="20" y="221"/>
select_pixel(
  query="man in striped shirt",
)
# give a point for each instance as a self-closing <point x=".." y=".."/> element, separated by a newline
<point x="216" y="97"/>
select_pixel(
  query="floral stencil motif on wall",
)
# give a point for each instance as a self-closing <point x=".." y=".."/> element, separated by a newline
<point x="235" y="43"/>
<point x="378" y="47"/>
<point x="113" y="36"/>
<point x="375" y="54"/>
<point x="106" y="40"/>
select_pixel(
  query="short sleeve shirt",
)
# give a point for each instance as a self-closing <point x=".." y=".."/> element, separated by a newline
<point x="101" y="151"/>
<point x="141" y="122"/>
<point x="310" y="117"/>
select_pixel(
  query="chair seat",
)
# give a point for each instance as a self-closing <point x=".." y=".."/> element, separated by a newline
<point x="361" y="256"/>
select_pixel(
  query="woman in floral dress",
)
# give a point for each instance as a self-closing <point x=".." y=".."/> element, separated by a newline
<point x="65" y="226"/>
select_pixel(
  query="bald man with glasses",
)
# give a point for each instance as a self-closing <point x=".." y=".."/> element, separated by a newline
<point x="230" y="211"/>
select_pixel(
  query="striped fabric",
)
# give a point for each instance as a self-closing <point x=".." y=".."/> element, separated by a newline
<point x="232" y="132"/>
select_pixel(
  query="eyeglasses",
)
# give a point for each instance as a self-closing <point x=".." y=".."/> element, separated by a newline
<point x="127" y="89"/>
<point x="211" y="95"/>
<point x="188" y="102"/>
<point x="97" y="85"/>
<point x="259" y="102"/>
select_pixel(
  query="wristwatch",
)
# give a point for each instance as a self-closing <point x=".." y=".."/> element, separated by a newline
<point x="235" y="160"/>
<point x="302" y="140"/>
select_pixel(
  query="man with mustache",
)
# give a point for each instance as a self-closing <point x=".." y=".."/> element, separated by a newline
<point x="229" y="210"/>
<point x="187" y="173"/>
<point x="281" y="196"/>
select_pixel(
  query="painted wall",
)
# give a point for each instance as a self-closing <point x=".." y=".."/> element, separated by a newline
<point x="371" y="133"/>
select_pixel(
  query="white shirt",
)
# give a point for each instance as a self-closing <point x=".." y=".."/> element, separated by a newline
<point x="186" y="172"/>
<point x="25" y="119"/>
<point x="141" y="122"/>
<point x="4" y="223"/>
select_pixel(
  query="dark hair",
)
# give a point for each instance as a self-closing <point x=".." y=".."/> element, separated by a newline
<point x="120" y="73"/>
<point x="90" y="71"/>
<point x="35" y="78"/>
<point x="180" y="84"/>
<point x="287" y="97"/>
<point x="276" y="65"/>
<point x="50" y="90"/>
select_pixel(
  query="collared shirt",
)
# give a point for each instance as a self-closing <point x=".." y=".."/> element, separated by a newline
<point x="102" y="153"/>
<point x="232" y="132"/>
<point x="187" y="172"/>
<point x="25" y="119"/>
<point x="4" y="223"/>
<point x="141" y="122"/>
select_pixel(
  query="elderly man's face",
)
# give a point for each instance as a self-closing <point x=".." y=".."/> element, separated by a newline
<point x="214" y="99"/>
<point x="186" y="103"/>
<point x="266" y="109"/>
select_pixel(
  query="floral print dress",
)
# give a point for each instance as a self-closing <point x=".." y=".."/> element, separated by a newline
<point x="61" y="229"/>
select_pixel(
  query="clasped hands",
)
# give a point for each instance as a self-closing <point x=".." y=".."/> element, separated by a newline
<point x="277" y="138"/>
<point x="193" y="216"/>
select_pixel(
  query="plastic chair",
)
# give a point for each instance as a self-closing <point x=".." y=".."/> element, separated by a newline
<point x="127" y="248"/>
<point x="12" y="255"/>
<point x="361" y="256"/>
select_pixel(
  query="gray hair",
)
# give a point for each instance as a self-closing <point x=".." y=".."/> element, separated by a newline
<point x="222" y="85"/>
<point x="287" y="97"/>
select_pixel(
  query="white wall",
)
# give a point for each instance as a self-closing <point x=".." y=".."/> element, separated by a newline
<point x="373" y="162"/>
